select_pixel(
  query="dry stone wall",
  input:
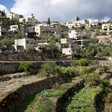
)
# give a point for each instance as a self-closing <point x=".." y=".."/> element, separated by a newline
<point x="14" y="98"/>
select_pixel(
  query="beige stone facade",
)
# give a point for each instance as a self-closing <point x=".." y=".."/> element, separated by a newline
<point x="44" y="30"/>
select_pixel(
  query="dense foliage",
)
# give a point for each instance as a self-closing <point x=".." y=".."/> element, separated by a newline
<point x="26" y="67"/>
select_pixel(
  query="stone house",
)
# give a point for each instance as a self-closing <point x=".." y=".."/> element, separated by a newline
<point x="24" y="44"/>
<point x="107" y="27"/>
<point x="44" y="30"/>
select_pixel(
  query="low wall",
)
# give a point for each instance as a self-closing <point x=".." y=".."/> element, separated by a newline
<point x="65" y="97"/>
<point x="24" y="56"/>
<point x="8" y="67"/>
<point x="99" y="101"/>
<point x="12" y="66"/>
<point x="14" y="98"/>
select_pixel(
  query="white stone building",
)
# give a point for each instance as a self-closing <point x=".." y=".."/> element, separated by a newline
<point x="67" y="51"/>
<point x="30" y="20"/>
<point x="14" y="16"/>
<point x="73" y="34"/>
<point x="14" y="28"/>
<point x="107" y="26"/>
<point x="24" y="44"/>
<point x="75" y="24"/>
<point x="70" y="25"/>
<point x="93" y="22"/>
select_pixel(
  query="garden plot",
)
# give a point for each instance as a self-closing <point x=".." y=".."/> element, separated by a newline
<point x="46" y="100"/>
<point x="83" y="100"/>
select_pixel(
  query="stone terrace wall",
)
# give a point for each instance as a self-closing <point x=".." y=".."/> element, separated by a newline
<point x="99" y="101"/>
<point x="65" y="97"/>
<point x="14" y="98"/>
<point x="21" y="56"/>
<point x="12" y="66"/>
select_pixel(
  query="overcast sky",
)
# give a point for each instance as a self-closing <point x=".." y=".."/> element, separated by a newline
<point x="62" y="10"/>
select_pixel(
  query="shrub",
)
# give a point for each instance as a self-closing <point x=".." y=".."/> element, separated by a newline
<point x="26" y="67"/>
<point x="109" y="98"/>
<point x="105" y="85"/>
<point x="103" y="33"/>
<point x="105" y="69"/>
<point x="48" y="69"/>
<point x="47" y="106"/>
<point x="92" y="80"/>
<point x="87" y="70"/>
<point x="95" y="62"/>
<point x="81" y="62"/>
<point x="68" y="72"/>
<point x="74" y="63"/>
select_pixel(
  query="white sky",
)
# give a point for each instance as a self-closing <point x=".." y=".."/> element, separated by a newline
<point x="63" y="10"/>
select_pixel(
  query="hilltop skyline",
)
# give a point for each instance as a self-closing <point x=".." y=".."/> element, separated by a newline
<point x="61" y="10"/>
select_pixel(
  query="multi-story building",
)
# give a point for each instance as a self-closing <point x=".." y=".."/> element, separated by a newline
<point x="93" y="22"/>
<point x="75" y="24"/>
<point x="70" y="25"/>
<point x="30" y="29"/>
<point x="107" y="26"/>
<point x="73" y="34"/>
<point x="30" y="20"/>
<point x="14" y="16"/>
<point x="44" y="30"/>
<point x="24" y="44"/>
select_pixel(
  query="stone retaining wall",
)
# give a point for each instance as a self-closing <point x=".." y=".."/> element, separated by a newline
<point x="14" y="98"/>
<point x="99" y="101"/>
<point x="65" y="97"/>
<point x="11" y="67"/>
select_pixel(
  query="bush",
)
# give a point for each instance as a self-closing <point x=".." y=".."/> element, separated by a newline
<point x="92" y="80"/>
<point x="95" y="62"/>
<point x="87" y="70"/>
<point x="48" y="69"/>
<point x="47" y="106"/>
<point x="109" y="98"/>
<point x="26" y="67"/>
<point x="81" y="62"/>
<point x="105" y="69"/>
<point x="68" y="72"/>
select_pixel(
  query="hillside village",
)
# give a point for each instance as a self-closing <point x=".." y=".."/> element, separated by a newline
<point x="51" y="66"/>
<point x="53" y="38"/>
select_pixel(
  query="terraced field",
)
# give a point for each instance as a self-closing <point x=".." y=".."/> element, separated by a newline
<point x="83" y="101"/>
<point x="46" y="100"/>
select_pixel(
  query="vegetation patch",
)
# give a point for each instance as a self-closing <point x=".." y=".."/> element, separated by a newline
<point x="43" y="101"/>
<point x="83" y="101"/>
